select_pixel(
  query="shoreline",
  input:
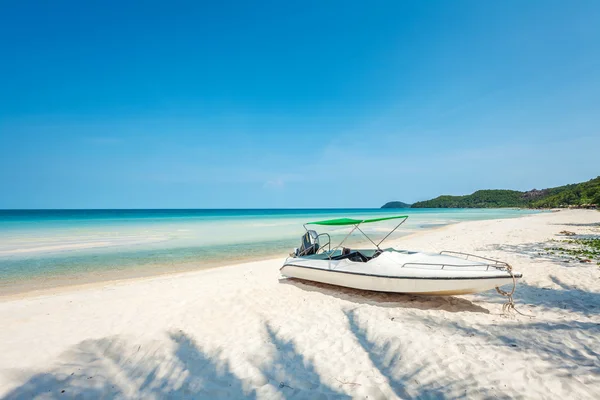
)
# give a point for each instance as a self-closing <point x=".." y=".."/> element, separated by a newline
<point x="62" y="284"/>
<point x="69" y="280"/>
<point x="93" y="279"/>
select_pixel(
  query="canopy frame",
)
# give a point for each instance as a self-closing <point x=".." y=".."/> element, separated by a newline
<point x="355" y="226"/>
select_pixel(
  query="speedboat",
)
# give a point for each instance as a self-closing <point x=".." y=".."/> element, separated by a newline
<point x="391" y="270"/>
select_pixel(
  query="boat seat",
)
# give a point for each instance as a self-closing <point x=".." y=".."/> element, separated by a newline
<point x="355" y="256"/>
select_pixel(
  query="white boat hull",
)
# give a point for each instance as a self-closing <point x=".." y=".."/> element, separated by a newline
<point x="403" y="272"/>
<point x="412" y="285"/>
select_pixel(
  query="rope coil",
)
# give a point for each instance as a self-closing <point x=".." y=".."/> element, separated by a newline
<point x="510" y="303"/>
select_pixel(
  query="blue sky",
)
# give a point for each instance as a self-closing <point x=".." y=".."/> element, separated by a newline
<point x="293" y="104"/>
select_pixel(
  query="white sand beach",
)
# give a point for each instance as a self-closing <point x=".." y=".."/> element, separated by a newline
<point x="243" y="332"/>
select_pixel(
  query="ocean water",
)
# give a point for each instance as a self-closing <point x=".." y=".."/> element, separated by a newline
<point x="50" y="247"/>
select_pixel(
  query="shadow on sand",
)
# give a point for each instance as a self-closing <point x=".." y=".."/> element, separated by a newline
<point x="387" y="357"/>
<point x="422" y="382"/>
<point x="113" y="367"/>
<point x="588" y="224"/>
<point x="568" y="297"/>
<point x="117" y="368"/>
<point x="566" y="347"/>
<point x="293" y="372"/>
<point x="392" y="300"/>
<point x="535" y="252"/>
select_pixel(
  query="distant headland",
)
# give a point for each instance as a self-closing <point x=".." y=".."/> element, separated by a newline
<point x="580" y="195"/>
<point x="396" y="204"/>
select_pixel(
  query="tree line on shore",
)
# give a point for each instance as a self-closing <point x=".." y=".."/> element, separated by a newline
<point x="581" y="195"/>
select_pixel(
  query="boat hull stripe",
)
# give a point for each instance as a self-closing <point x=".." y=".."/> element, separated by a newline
<point x="450" y="278"/>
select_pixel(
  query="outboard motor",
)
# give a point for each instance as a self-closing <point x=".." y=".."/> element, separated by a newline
<point x="310" y="244"/>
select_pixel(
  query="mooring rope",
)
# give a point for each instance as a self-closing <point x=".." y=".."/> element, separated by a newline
<point x="510" y="303"/>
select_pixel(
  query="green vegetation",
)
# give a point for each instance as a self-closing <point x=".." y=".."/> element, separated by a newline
<point x="582" y="250"/>
<point x="396" y="204"/>
<point x="479" y="199"/>
<point x="579" y="194"/>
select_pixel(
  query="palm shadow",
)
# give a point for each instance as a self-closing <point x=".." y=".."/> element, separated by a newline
<point x="566" y="297"/>
<point x="387" y="357"/>
<point x="115" y="368"/>
<point x="391" y="300"/>
<point x="292" y="373"/>
<point x="537" y="252"/>
<point x="566" y="347"/>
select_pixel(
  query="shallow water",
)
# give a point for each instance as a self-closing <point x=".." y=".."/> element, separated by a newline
<point x="83" y="245"/>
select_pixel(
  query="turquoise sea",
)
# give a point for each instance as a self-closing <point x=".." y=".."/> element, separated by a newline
<point x="48" y="247"/>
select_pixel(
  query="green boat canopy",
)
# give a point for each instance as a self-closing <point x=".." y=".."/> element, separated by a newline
<point x="350" y="221"/>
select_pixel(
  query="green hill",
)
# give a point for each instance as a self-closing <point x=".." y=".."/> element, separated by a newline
<point x="395" y="204"/>
<point x="479" y="199"/>
<point x="579" y="194"/>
